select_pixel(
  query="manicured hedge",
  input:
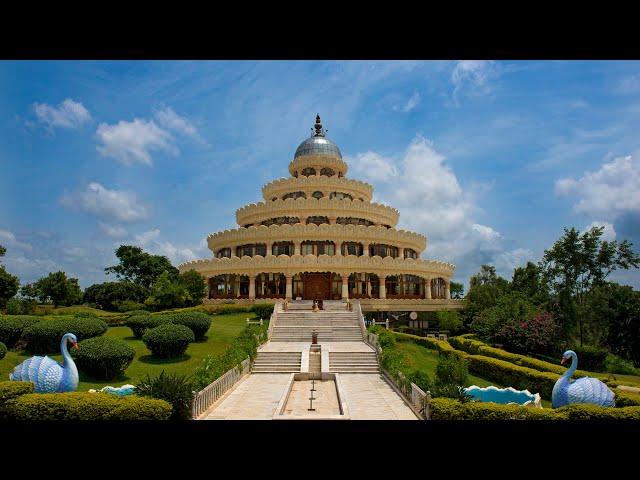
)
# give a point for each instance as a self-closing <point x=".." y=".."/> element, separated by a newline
<point x="427" y="342"/>
<point x="198" y="322"/>
<point x="450" y="409"/>
<point x="262" y="310"/>
<point x="45" y="336"/>
<point x="11" y="328"/>
<point x="10" y="390"/>
<point x="86" y="406"/>
<point x="3" y="350"/>
<point x="591" y="358"/>
<point x="227" y="309"/>
<point x="626" y="399"/>
<point x="168" y="340"/>
<point x="477" y="347"/>
<point x="139" y="324"/>
<point x="103" y="357"/>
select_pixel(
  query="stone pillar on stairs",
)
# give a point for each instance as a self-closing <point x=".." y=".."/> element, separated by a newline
<point x="345" y="287"/>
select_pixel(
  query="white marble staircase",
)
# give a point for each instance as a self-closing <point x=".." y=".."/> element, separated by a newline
<point x="353" y="362"/>
<point x="277" y="362"/>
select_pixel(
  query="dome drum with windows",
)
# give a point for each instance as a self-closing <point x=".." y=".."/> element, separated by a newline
<point x="317" y="235"/>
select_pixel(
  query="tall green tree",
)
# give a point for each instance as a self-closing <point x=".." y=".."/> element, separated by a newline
<point x="575" y="265"/>
<point x="9" y="284"/>
<point x="140" y="267"/>
<point x="167" y="293"/>
<point x="195" y="284"/>
<point x="457" y="290"/>
<point x="530" y="281"/>
<point x="485" y="288"/>
<point x="59" y="289"/>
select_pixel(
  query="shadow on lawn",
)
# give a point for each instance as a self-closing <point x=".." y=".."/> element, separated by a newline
<point x="159" y="361"/>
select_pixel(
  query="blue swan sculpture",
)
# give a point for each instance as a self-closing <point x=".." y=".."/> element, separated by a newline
<point x="582" y="390"/>
<point x="48" y="375"/>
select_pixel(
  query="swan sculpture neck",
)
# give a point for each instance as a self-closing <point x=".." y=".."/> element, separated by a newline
<point x="68" y="361"/>
<point x="574" y="364"/>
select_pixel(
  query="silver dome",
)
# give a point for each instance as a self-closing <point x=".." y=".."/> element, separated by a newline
<point x="318" y="146"/>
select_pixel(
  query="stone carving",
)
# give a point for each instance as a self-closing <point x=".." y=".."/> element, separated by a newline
<point x="282" y="186"/>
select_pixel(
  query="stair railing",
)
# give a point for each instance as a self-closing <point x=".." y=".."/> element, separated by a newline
<point x="274" y="316"/>
<point x="358" y="310"/>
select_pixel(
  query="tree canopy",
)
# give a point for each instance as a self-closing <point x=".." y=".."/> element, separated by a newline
<point x="58" y="289"/>
<point x="9" y="284"/>
<point x="140" y="267"/>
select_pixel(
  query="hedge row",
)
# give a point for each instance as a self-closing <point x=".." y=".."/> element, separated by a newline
<point x="139" y="324"/>
<point x="45" y="336"/>
<point x="11" y="328"/>
<point x="86" y="406"/>
<point x="168" y="340"/>
<point x="478" y="347"/>
<point x="450" y="409"/>
<point x="198" y="322"/>
<point x="103" y="357"/>
<point x="3" y="350"/>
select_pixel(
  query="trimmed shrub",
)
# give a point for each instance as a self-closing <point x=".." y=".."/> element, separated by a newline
<point x="3" y="350"/>
<point x="262" y="310"/>
<point x="45" y="336"/>
<point x="11" y="328"/>
<point x="591" y="358"/>
<point x="616" y="364"/>
<point x="198" y="322"/>
<point x="174" y="388"/>
<point x="168" y="340"/>
<point x="129" y="305"/>
<point x="227" y="309"/>
<point x="137" y="312"/>
<point x="103" y="357"/>
<point x="10" y="390"/>
<point x="594" y="412"/>
<point x="450" y="409"/>
<point x="86" y="406"/>
<point x="139" y="324"/>
<point x="20" y="306"/>
<point x="626" y="399"/>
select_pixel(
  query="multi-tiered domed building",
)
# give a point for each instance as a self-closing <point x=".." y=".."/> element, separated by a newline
<point x="317" y="235"/>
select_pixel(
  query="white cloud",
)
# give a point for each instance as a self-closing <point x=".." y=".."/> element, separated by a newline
<point x="68" y="114"/>
<point x="506" y="262"/>
<point x="131" y="142"/>
<point x="431" y="201"/>
<point x="9" y="240"/>
<point x="115" y="205"/>
<point x="472" y="77"/>
<point x="372" y="166"/>
<point x="629" y="84"/>
<point x="610" y="192"/>
<point x="113" y="231"/>
<point x="609" y="232"/>
<point x="150" y="241"/>
<point x="412" y="102"/>
<point x="171" y="120"/>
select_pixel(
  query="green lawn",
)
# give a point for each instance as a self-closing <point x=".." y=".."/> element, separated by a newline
<point x="422" y="358"/>
<point x="224" y="328"/>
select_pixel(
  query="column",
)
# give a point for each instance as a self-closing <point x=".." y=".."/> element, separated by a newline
<point x="338" y="249"/>
<point x="427" y="288"/>
<point x="368" y="286"/>
<point x="345" y="286"/>
<point x="383" y="287"/>
<point x="252" y="287"/>
<point x="289" y="290"/>
<point x="269" y="249"/>
<point x="365" y="249"/>
<point x="296" y="248"/>
<point x="447" y="289"/>
<point x="332" y="220"/>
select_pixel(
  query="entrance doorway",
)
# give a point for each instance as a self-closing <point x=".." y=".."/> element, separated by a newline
<point x="317" y="286"/>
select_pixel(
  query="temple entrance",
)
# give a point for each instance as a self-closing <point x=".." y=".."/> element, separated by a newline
<point x="317" y="286"/>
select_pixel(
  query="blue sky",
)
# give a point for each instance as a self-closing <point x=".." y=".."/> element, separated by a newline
<point x="488" y="159"/>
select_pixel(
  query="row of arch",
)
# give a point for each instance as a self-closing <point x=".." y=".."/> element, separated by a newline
<point x="317" y="220"/>
<point x="309" y="171"/>
<point x="317" y="195"/>
<point x="314" y="247"/>
<point x="355" y="285"/>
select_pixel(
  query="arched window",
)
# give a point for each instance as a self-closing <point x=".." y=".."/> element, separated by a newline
<point x="308" y="171"/>
<point x="410" y="253"/>
<point x="224" y="252"/>
<point x="229" y="286"/>
<point x="298" y="286"/>
<point x="364" y="285"/>
<point x="294" y="195"/>
<point x="353" y="221"/>
<point x="271" y="285"/>
<point x="382" y="250"/>
<point x="317" y="220"/>
<point x="281" y="221"/>
<point x="318" y="195"/>
<point x="328" y="172"/>
<point x="251" y="250"/>
<point x="352" y="248"/>
<point x="340" y="195"/>
<point x="317" y="248"/>
<point x="438" y="288"/>
<point x="282" y="248"/>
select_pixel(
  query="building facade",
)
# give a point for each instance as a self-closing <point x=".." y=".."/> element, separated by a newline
<point x="317" y="235"/>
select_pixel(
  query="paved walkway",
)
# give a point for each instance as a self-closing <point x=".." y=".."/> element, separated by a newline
<point x="368" y="397"/>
